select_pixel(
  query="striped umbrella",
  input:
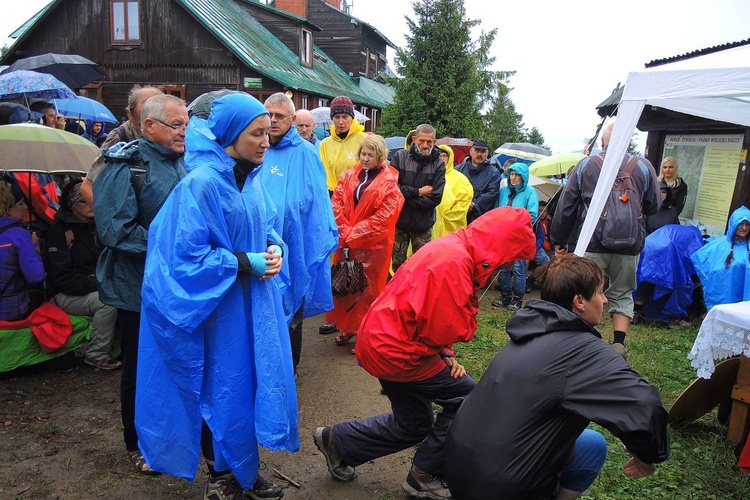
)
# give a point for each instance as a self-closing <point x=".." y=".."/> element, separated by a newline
<point x="28" y="147"/>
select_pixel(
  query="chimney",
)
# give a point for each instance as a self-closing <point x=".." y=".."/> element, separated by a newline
<point x="334" y="3"/>
<point x="295" y="7"/>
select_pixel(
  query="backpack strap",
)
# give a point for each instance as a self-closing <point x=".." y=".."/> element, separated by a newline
<point x="138" y="174"/>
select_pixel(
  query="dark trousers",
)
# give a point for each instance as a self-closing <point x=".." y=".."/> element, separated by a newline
<point x="401" y="245"/>
<point x="295" y="337"/>
<point x="130" y="323"/>
<point x="410" y="423"/>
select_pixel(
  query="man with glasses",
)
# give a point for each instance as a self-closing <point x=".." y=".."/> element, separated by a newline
<point x="124" y="207"/>
<point x="294" y="178"/>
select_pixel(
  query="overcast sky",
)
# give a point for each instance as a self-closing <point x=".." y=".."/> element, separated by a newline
<point x="568" y="56"/>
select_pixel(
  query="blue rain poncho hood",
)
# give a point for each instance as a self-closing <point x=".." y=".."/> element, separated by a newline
<point x="230" y="115"/>
<point x="523" y="195"/>
<point x="295" y="179"/>
<point x="214" y="345"/>
<point x="724" y="284"/>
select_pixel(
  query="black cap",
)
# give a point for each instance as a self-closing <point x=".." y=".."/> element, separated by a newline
<point x="480" y="144"/>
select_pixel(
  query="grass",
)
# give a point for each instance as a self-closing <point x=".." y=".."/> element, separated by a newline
<point x="701" y="465"/>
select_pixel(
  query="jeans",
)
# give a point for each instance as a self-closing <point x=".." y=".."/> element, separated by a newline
<point x="588" y="460"/>
<point x="514" y="281"/>
<point x="103" y="321"/>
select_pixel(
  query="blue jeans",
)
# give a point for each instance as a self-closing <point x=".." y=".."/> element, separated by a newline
<point x="588" y="460"/>
<point x="514" y="280"/>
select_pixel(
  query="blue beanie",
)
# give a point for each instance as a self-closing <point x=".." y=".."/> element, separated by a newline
<point x="230" y="115"/>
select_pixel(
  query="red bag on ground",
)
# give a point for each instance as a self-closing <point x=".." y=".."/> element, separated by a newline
<point x="50" y="325"/>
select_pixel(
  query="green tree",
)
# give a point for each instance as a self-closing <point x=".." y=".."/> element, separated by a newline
<point x="534" y="136"/>
<point x="502" y="122"/>
<point x="445" y="80"/>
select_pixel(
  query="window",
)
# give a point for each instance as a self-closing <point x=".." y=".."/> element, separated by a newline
<point x="304" y="102"/>
<point x="175" y="90"/>
<point x="306" y="47"/>
<point x="322" y="102"/>
<point x="124" y="16"/>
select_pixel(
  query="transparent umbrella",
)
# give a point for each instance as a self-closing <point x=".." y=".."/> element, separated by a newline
<point x="322" y="116"/>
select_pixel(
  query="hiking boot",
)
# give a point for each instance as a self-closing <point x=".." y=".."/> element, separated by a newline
<point x="420" y="484"/>
<point x="621" y="350"/>
<point x="224" y="487"/>
<point x="502" y="301"/>
<point x="323" y="438"/>
<point x="107" y="363"/>
<point x="264" y="490"/>
<point x="327" y="329"/>
<point x="515" y="304"/>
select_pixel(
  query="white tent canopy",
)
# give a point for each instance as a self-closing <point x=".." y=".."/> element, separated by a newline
<point x="714" y="86"/>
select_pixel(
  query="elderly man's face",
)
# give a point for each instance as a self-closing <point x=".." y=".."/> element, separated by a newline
<point x="478" y="155"/>
<point x="134" y="117"/>
<point x="169" y="133"/>
<point x="424" y="142"/>
<point x="305" y="124"/>
<point x="281" y="121"/>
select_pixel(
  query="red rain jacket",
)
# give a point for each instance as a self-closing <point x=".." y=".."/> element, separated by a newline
<point x="431" y="302"/>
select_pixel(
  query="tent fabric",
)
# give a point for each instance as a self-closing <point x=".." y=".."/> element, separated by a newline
<point x="665" y="262"/>
<point x="715" y="86"/>
<point x="213" y="343"/>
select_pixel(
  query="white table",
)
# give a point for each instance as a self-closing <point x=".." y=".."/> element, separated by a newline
<point x="725" y="332"/>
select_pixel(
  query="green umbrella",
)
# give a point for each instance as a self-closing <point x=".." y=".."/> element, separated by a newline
<point x="555" y="164"/>
<point x="28" y="147"/>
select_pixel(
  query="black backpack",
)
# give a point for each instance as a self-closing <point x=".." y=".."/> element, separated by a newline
<point x="620" y="225"/>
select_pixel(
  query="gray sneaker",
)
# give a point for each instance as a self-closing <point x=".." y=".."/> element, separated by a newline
<point x="420" y="484"/>
<point x="621" y="350"/>
<point x="224" y="487"/>
<point x="323" y="438"/>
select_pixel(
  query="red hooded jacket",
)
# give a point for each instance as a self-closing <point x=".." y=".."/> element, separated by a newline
<point x="431" y="302"/>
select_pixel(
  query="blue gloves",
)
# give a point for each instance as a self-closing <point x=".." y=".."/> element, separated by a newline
<point x="258" y="264"/>
<point x="274" y="249"/>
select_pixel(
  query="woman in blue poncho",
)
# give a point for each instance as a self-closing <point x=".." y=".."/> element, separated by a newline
<point x="723" y="265"/>
<point x="214" y="367"/>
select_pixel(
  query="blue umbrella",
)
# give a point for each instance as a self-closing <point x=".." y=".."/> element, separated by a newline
<point x="25" y="84"/>
<point x="84" y="108"/>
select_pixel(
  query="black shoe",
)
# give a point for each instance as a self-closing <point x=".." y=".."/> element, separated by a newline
<point x="637" y="317"/>
<point x="502" y="301"/>
<point x="323" y="438"/>
<point x="224" y="487"/>
<point x="420" y="484"/>
<point x="327" y="329"/>
<point x="515" y="304"/>
<point x="264" y="490"/>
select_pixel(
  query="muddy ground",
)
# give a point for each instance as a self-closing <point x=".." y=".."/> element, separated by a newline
<point x="61" y="434"/>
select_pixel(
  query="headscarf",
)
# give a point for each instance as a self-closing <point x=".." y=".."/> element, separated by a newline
<point x="230" y="115"/>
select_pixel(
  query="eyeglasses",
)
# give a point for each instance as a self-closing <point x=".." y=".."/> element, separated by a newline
<point x="279" y="116"/>
<point x="181" y="126"/>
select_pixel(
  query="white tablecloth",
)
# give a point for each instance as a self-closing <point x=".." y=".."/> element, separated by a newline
<point x="725" y="332"/>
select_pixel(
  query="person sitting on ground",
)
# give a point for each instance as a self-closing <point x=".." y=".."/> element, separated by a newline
<point x="723" y="264"/>
<point x="71" y="253"/>
<point x="20" y="260"/>
<point x="522" y="432"/>
<point x="406" y="339"/>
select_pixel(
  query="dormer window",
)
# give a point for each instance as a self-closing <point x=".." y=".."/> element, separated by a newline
<point x="125" y="22"/>
<point x="306" y="47"/>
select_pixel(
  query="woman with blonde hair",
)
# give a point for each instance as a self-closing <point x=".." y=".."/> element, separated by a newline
<point x="366" y="204"/>
<point x="669" y="173"/>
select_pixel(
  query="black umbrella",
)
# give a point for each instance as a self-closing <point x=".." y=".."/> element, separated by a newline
<point x="73" y="70"/>
<point x="201" y="105"/>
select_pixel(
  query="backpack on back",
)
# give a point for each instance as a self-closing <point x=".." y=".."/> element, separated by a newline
<point x="620" y="225"/>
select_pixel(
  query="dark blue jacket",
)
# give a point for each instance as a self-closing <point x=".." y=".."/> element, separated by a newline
<point x="486" y="182"/>
<point x="20" y="264"/>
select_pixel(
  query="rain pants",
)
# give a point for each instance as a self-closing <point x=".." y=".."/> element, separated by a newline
<point x="368" y="229"/>
<point x="214" y="344"/>
<point x="339" y="155"/>
<point x="294" y="179"/>
<point x="665" y="262"/>
<point x="457" y="196"/>
<point x="724" y="284"/>
<point x="431" y="302"/>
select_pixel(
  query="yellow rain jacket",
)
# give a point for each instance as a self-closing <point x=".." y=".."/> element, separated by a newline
<point x="457" y="196"/>
<point x="339" y="155"/>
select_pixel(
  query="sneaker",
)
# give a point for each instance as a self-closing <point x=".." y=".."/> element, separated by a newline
<point x="107" y="363"/>
<point x="327" y="329"/>
<point x="420" y="484"/>
<point x="264" y="490"/>
<point x="224" y="487"/>
<point x="323" y="438"/>
<point x="515" y="304"/>
<point x="502" y="301"/>
<point x="621" y="350"/>
<point x="637" y="317"/>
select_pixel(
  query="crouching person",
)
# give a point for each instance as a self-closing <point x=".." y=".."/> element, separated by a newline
<point x="522" y="432"/>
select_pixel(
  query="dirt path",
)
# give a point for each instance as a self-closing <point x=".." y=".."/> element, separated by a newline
<point x="61" y="436"/>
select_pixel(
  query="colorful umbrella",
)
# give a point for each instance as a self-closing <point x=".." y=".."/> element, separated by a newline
<point x="521" y="151"/>
<point x="28" y="147"/>
<point x="322" y="116"/>
<point x="26" y="84"/>
<point x="555" y="164"/>
<point x="85" y="108"/>
<point x="73" y="70"/>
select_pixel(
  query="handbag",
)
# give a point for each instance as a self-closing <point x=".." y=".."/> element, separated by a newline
<point x="348" y="276"/>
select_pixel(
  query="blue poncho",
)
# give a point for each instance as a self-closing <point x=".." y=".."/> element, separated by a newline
<point x="214" y="344"/>
<point x="665" y="262"/>
<point x="294" y="178"/>
<point x="722" y="284"/>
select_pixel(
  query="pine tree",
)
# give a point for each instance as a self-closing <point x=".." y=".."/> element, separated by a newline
<point x="502" y="122"/>
<point x="445" y="80"/>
